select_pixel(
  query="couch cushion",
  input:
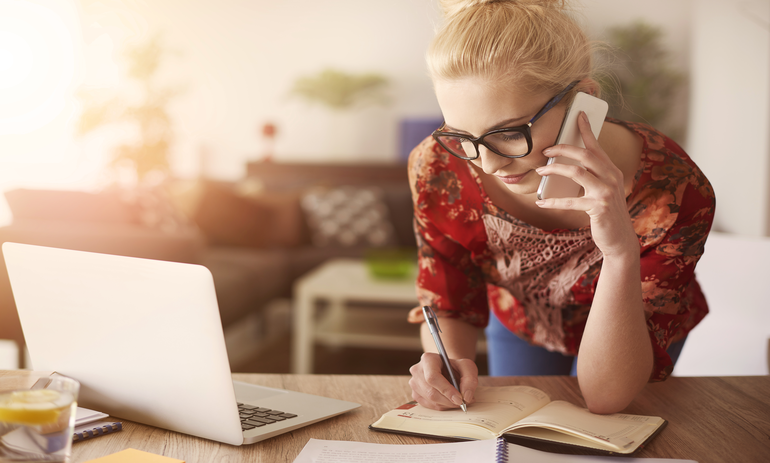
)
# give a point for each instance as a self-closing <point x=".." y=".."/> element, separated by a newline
<point x="348" y="216"/>
<point x="229" y="218"/>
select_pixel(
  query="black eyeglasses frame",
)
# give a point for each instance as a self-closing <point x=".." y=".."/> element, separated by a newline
<point x="526" y="130"/>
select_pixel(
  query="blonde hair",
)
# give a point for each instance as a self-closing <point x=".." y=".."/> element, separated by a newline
<point x="530" y="43"/>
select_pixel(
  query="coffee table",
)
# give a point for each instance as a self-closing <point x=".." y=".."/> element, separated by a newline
<point x="359" y="310"/>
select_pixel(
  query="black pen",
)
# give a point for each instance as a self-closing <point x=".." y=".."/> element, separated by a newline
<point x="432" y="320"/>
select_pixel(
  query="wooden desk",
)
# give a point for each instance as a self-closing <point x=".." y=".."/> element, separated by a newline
<point x="710" y="419"/>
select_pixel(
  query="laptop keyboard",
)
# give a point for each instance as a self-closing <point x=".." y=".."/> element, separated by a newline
<point x="255" y="417"/>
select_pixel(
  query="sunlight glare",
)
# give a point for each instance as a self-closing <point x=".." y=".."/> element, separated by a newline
<point x="38" y="61"/>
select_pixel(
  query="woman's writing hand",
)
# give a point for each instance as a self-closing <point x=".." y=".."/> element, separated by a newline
<point x="604" y="200"/>
<point x="431" y="387"/>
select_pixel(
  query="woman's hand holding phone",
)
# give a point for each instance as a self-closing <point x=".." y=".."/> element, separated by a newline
<point x="556" y="186"/>
<point x="604" y="199"/>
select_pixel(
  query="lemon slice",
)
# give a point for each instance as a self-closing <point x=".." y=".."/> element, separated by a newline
<point x="35" y="407"/>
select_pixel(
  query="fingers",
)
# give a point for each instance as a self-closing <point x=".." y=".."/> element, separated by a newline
<point x="437" y="388"/>
<point x="571" y="204"/>
<point x="432" y="389"/>
<point x="592" y="157"/>
<point x="595" y="177"/>
<point x="590" y="181"/>
<point x="592" y="160"/>
<point x="599" y="193"/>
<point x="587" y="134"/>
<point x="468" y="377"/>
<point x="424" y="394"/>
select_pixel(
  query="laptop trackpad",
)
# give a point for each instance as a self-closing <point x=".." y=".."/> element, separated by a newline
<point x="253" y="394"/>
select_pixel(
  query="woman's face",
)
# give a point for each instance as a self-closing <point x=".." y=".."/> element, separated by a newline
<point x="474" y="106"/>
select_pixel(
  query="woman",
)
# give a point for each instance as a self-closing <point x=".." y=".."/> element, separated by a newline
<point x="604" y="279"/>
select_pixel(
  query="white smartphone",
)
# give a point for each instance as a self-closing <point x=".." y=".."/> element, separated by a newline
<point x="557" y="186"/>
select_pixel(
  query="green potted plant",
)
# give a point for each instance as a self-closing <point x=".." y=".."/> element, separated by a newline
<point x="641" y="84"/>
<point x="144" y="108"/>
<point x="343" y="106"/>
<point x="340" y="90"/>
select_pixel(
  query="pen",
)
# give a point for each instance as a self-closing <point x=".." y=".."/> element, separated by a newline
<point x="432" y="320"/>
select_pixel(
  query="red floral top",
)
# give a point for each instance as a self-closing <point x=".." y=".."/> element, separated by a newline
<point x="475" y="257"/>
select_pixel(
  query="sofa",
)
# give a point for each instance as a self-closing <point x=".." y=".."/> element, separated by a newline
<point x="263" y="235"/>
<point x="256" y="235"/>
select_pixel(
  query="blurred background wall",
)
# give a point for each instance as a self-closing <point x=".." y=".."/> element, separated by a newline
<point x="730" y="110"/>
<point x="233" y="64"/>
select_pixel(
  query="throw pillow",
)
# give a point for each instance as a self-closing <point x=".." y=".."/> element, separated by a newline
<point x="229" y="216"/>
<point x="226" y="218"/>
<point x="348" y="216"/>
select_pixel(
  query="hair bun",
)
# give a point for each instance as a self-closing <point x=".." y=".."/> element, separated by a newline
<point x="452" y="7"/>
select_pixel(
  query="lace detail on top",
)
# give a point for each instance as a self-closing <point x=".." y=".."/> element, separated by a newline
<point x="539" y="269"/>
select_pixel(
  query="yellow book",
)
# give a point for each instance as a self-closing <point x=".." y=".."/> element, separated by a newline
<point x="134" y="456"/>
<point x="525" y="414"/>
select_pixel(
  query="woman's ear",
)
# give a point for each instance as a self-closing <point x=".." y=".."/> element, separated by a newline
<point x="588" y="86"/>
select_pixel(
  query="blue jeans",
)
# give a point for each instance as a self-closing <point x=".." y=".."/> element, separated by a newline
<point x="509" y="355"/>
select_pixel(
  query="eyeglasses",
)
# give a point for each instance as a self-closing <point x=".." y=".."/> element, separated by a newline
<point x="510" y="142"/>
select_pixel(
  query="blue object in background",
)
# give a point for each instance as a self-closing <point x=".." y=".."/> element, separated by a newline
<point x="414" y="130"/>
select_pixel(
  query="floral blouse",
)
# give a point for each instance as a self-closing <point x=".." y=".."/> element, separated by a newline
<point x="475" y="257"/>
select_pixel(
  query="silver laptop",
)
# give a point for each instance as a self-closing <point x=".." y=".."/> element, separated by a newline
<point x="145" y="340"/>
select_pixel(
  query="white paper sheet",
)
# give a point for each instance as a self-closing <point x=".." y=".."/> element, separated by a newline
<point x="332" y="451"/>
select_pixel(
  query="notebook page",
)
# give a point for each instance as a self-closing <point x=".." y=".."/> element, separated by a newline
<point x="481" y="451"/>
<point x="517" y="453"/>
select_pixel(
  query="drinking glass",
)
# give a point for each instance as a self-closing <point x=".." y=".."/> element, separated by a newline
<point x="37" y="418"/>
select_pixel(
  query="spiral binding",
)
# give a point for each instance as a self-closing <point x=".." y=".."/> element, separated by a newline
<point x="502" y="451"/>
<point x="97" y="431"/>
